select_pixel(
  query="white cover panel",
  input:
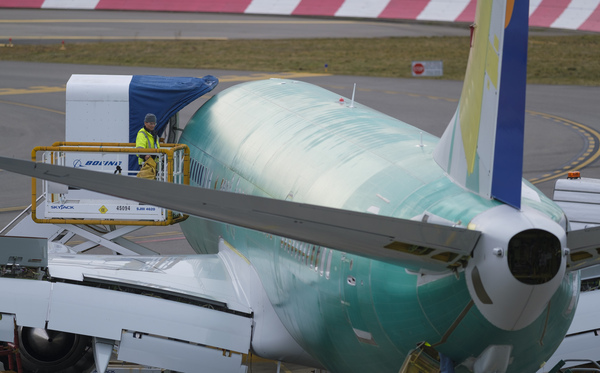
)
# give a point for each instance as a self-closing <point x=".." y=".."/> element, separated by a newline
<point x="97" y="108"/>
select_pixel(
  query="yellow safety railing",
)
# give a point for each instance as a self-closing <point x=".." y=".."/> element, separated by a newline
<point x="174" y="169"/>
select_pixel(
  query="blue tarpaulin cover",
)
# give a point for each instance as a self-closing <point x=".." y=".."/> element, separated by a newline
<point x="162" y="96"/>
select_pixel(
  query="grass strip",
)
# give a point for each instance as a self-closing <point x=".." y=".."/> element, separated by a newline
<point x="573" y="60"/>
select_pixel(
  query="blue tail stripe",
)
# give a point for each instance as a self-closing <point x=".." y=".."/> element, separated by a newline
<point x="508" y="154"/>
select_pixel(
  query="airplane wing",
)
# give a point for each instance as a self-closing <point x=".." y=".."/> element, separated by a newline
<point x="584" y="247"/>
<point x="174" y="312"/>
<point x="580" y="343"/>
<point x="580" y="200"/>
<point x="414" y="244"/>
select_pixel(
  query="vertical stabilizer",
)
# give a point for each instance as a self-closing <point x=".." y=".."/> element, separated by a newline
<point x="482" y="148"/>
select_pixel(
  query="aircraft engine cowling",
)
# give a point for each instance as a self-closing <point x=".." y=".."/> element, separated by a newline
<point x="517" y="265"/>
<point x="48" y="351"/>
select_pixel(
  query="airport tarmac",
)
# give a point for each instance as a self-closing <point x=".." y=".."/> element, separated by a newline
<point x="562" y="122"/>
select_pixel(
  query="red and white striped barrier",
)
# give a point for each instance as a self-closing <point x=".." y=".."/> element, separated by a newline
<point x="566" y="14"/>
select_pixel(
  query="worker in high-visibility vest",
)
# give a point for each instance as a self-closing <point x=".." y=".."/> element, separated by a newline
<point x="147" y="137"/>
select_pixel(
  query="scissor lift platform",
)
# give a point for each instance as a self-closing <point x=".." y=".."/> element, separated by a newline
<point x="61" y="212"/>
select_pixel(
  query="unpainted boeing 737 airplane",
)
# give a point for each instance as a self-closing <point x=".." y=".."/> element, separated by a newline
<point x="347" y="237"/>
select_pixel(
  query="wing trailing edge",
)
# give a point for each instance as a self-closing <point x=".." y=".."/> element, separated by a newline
<point x="413" y="244"/>
<point x="482" y="147"/>
<point x="584" y="248"/>
<point x="579" y="199"/>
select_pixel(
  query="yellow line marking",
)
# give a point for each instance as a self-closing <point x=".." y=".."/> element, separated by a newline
<point x="13" y="209"/>
<point x="35" y="89"/>
<point x="581" y="128"/>
<point x="32" y="106"/>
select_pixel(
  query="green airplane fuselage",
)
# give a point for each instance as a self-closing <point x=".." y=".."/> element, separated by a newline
<point x="290" y="140"/>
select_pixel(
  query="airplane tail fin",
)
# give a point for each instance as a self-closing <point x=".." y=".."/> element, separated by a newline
<point x="482" y="147"/>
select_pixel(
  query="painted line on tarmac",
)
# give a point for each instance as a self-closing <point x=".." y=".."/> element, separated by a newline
<point x="32" y="106"/>
<point x="589" y="153"/>
<point x="30" y="90"/>
<point x="12" y="209"/>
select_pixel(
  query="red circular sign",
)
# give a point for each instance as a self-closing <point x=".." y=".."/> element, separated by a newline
<point x="418" y="68"/>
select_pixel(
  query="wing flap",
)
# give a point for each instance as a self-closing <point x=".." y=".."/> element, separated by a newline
<point x="199" y="279"/>
<point x="580" y="200"/>
<point x="105" y="312"/>
<point x="416" y="245"/>
<point x="584" y="247"/>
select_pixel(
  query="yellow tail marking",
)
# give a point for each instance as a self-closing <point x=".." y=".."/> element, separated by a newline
<point x="470" y="104"/>
<point x="510" y="4"/>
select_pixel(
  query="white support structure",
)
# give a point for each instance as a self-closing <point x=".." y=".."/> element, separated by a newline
<point x="106" y="240"/>
<point x="58" y="235"/>
<point x="182" y="313"/>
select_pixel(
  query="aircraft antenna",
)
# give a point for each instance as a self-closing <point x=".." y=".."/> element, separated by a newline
<point x="353" y="91"/>
<point x="421" y="145"/>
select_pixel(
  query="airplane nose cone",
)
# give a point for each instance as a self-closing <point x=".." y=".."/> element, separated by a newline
<point x="517" y="265"/>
